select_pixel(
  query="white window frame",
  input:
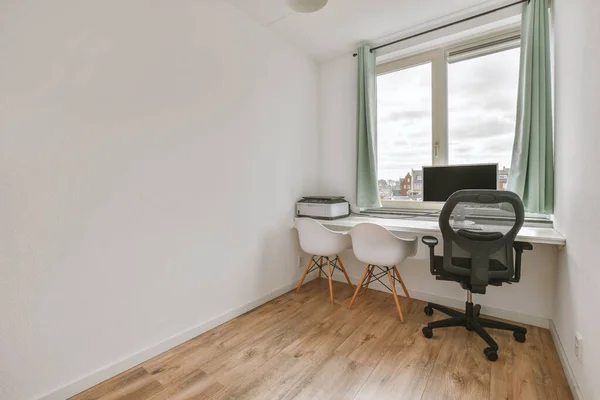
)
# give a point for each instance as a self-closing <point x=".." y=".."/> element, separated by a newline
<point x="469" y="48"/>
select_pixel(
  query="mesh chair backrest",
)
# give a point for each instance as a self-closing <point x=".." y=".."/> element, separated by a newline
<point x="480" y="245"/>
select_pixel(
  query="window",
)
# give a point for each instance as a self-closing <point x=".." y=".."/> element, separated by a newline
<point x="404" y="124"/>
<point x="454" y="105"/>
<point x="482" y="106"/>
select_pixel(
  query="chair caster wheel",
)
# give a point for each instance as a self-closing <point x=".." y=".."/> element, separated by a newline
<point x="428" y="332"/>
<point x="491" y="353"/>
<point x="477" y="310"/>
<point x="428" y="311"/>
<point x="519" y="337"/>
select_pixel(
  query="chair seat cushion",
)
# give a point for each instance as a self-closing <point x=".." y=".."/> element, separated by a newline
<point x="465" y="262"/>
<point x="480" y="236"/>
<point x="441" y="273"/>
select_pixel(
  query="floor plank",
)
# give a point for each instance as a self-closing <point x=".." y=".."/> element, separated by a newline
<point x="336" y="378"/>
<point x="136" y="383"/>
<point x="461" y="371"/>
<point x="319" y="343"/>
<point x="236" y="335"/>
<point x="303" y="347"/>
<point x="557" y="374"/>
<point x="521" y="372"/>
<point x="405" y="367"/>
<point x="371" y="340"/>
<point x="273" y="380"/>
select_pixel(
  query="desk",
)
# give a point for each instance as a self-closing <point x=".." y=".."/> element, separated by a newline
<point x="421" y="227"/>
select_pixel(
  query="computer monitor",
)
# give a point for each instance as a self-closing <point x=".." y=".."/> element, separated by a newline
<point x="439" y="182"/>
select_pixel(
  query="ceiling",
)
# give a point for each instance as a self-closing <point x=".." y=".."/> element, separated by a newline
<point x="344" y="24"/>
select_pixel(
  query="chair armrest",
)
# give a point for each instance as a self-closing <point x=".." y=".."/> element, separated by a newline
<point x="430" y="241"/>
<point x="519" y="248"/>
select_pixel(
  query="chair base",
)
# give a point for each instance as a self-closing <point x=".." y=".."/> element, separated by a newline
<point x="471" y="320"/>
<point x="332" y="265"/>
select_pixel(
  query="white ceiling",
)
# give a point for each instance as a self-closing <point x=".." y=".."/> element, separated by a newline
<point x="344" y="24"/>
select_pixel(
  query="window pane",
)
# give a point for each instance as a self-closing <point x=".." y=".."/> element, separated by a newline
<point x="482" y="103"/>
<point x="404" y="131"/>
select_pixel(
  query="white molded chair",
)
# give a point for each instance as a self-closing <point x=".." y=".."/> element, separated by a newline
<point x="379" y="248"/>
<point x="318" y="241"/>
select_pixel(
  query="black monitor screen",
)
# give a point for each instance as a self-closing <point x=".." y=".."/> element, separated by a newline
<point x="440" y="182"/>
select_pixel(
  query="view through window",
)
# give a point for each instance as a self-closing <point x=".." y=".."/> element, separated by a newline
<point x="481" y="114"/>
<point x="482" y="107"/>
<point x="404" y="131"/>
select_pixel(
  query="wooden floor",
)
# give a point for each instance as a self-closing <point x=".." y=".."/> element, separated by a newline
<point x="302" y="347"/>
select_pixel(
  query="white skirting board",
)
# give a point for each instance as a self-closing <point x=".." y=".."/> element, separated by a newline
<point x="460" y="304"/>
<point x="104" y="373"/>
<point x="575" y="389"/>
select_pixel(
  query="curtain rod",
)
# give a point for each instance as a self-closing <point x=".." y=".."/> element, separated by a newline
<point x="446" y="25"/>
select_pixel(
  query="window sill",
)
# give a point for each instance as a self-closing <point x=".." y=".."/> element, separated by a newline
<point x="412" y="227"/>
<point x="429" y="211"/>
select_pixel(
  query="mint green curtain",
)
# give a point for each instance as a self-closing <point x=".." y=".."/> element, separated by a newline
<point x="367" y="191"/>
<point x="532" y="169"/>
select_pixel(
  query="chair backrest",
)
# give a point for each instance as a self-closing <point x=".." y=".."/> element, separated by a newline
<point x="317" y="240"/>
<point x="495" y="242"/>
<point x="374" y="244"/>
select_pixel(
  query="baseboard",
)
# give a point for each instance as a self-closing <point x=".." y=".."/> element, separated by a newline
<point x="562" y="355"/>
<point x="104" y="373"/>
<point x="460" y="304"/>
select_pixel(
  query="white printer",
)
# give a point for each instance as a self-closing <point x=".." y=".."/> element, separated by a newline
<point x="323" y="207"/>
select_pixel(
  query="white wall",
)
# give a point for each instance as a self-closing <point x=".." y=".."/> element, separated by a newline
<point x="337" y="117"/>
<point x="528" y="301"/>
<point x="577" y="298"/>
<point x="150" y="156"/>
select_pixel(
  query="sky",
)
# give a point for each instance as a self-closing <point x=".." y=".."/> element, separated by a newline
<point x="482" y="101"/>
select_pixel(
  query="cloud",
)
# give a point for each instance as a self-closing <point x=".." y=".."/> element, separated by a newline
<point x="405" y="116"/>
<point x="482" y="113"/>
<point x="479" y="126"/>
<point x="485" y="150"/>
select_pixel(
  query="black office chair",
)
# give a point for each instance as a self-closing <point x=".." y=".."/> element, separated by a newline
<point x="478" y="258"/>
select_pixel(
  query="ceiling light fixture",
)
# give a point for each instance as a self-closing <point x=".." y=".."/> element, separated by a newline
<point x="306" y="6"/>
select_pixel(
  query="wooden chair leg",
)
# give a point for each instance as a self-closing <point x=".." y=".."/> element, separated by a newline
<point x="358" y="287"/>
<point x="344" y="271"/>
<point x="320" y="264"/>
<point x="304" y="275"/>
<point x="393" y="286"/>
<point x="369" y="279"/>
<point x="330" y="281"/>
<point x="402" y="283"/>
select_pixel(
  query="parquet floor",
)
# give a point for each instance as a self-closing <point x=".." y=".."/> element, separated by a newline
<point x="302" y="347"/>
